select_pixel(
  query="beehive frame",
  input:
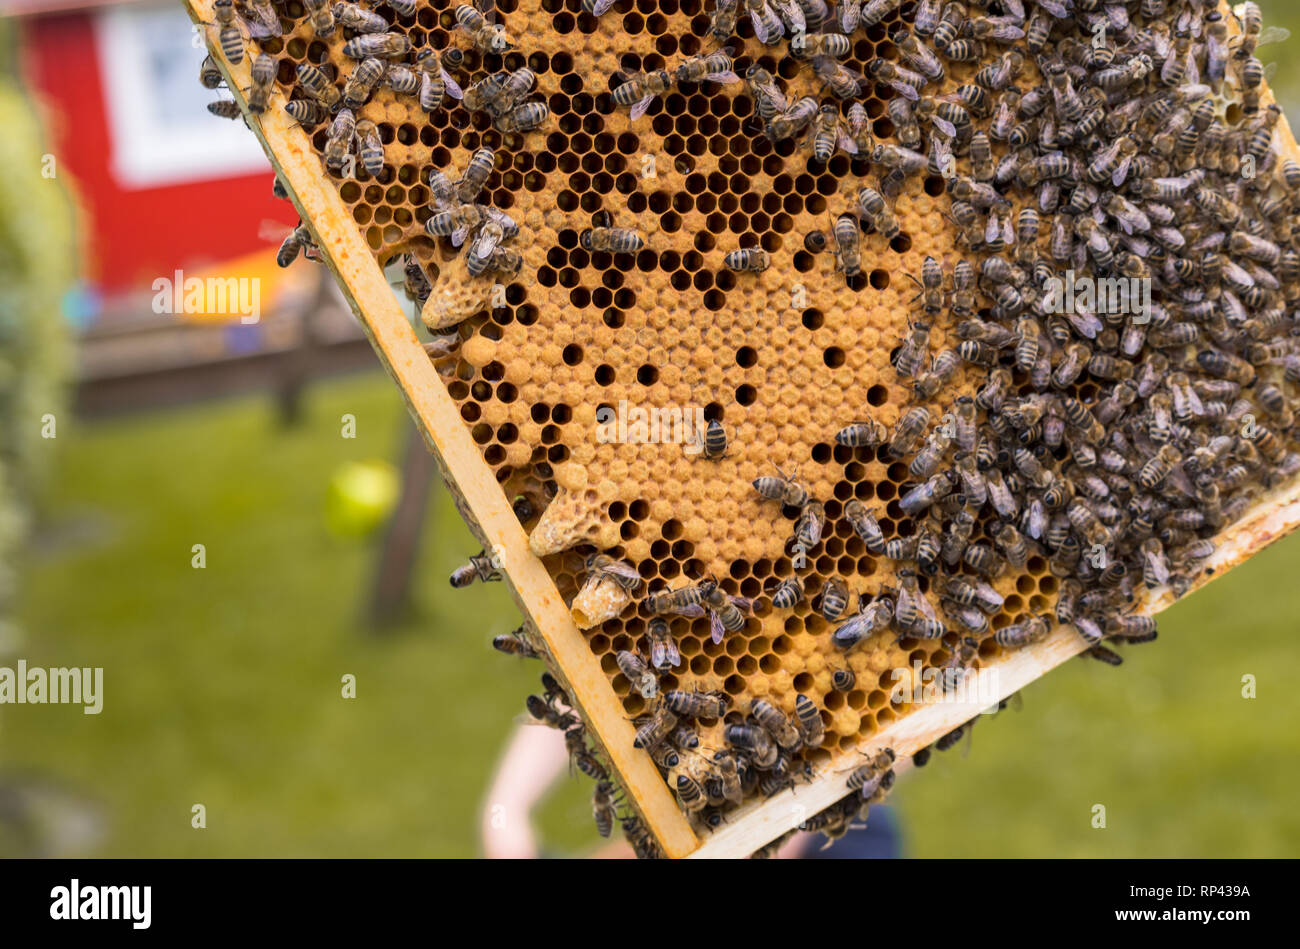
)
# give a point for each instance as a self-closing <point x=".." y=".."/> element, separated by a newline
<point x="486" y="508"/>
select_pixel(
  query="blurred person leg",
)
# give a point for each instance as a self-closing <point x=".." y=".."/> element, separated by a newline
<point x="534" y="757"/>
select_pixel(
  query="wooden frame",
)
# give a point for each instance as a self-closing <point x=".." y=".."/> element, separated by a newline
<point x="488" y="513"/>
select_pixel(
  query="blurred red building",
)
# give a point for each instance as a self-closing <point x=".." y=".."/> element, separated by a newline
<point x="162" y="186"/>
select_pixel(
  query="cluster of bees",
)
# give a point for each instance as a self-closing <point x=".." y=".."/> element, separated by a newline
<point x="759" y="755"/>
<point x="1091" y="138"/>
<point x="386" y="58"/>
<point x="1113" y="444"/>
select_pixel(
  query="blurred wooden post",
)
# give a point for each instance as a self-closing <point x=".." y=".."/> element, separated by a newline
<point x="390" y="597"/>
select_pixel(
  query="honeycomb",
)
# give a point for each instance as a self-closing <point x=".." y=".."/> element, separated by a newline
<point x="783" y="358"/>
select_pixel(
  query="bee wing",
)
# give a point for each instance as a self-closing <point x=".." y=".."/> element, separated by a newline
<point x="845" y="143"/>
<point x="453" y="88"/>
<point x="458" y="236"/>
<point x="715" y="627"/>
<point x="692" y="611"/>
<point x="744" y="604"/>
<point x="1274" y="34"/>
<point x="943" y="125"/>
<point x="622" y="569"/>
<point x="273" y="232"/>
<point x="904" y="90"/>
<point x="601" y="7"/>
<point x="726" y="77"/>
<point x="1121" y="172"/>
<point x="761" y="31"/>
<point x="639" y="109"/>
<point x="672" y="654"/>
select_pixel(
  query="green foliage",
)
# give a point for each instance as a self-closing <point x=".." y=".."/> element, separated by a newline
<point x="36" y="268"/>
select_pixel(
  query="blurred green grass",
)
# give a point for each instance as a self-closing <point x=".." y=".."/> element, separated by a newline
<point x="222" y="685"/>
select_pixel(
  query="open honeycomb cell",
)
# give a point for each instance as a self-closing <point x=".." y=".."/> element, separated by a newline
<point x="783" y="358"/>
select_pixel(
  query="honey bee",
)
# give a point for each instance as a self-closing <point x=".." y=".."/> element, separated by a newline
<point x="455" y="223"/>
<point x="811" y="728"/>
<point x="638" y="673"/>
<point x="868" y="778"/>
<point x="714" y="441"/>
<point x="748" y="260"/>
<point x="655" y="727"/>
<point x="787" y="593"/>
<point x="320" y="16"/>
<point x="755" y="742"/>
<point x="808" y="528"/>
<point x="712" y="67"/>
<point x="381" y="45"/>
<point x="663" y="648"/>
<point x="1019" y="635"/>
<point x="706" y="705"/>
<point x="640" y="90"/>
<point x="435" y="82"/>
<point x="1253" y="35"/>
<point x="769" y="101"/>
<point x="479" y="569"/>
<point x="298" y="241"/>
<point x="726" y="613"/>
<point x="834" y="599"/>
<point x="786" y="490"/>
<point x="611" y="240"/>
<point x="793" y="120"/>
<point x="686" y="600"/>
<point x="229" y="38"/>
<point x="488" y="38"/>
<point x="908" y="432"/>
<point x="353" y="17"/>
<point x="878" y="212"/>
<point x="339" y="143"/>
<point x="843" y="83"/>
<point x="604" y="809"/>
<point x="805" y="46"/>
<point x="361" y="84"/>
<point x="918" y="54"/>
<point x="546" y="713"/>
<point x="848" y="245"/>
<point x="371" y="147"/>
<point x="913" y="614"/>
<point x="263" y="80"/>
<point x="486" y="242"/>
<point x="306" y="112"/>
<point x="477" y="173"/>
<point x="864" y="524"/>
<point x="209" y="75"/>
<point x="722" y="22"/>
<point x="266" y="22"/>
<point x="225" y="109"/>
<point x="619" y="571"/>
<point x="515" y="644"/>
<point x="524" y="118"/>
<point x="775" y="723"/>
<point x="318" y="85"/>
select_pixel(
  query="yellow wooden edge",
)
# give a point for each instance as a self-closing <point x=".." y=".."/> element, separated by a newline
<point x="478" y="497"/>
